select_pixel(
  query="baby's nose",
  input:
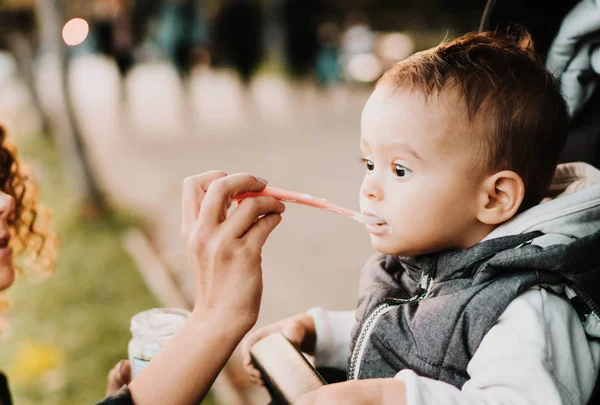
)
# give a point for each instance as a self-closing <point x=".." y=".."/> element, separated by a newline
<point x="370" y="189"/>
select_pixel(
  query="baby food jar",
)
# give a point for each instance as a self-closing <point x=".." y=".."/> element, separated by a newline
<point x="151" y="329"/>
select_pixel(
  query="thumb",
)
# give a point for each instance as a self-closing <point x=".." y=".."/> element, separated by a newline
<point x="125" y="371"/>
<point x="247" y="344"/>
<point x="295" y="333"/>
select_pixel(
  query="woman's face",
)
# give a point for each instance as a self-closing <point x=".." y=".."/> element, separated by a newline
<point x="7" y="271"/>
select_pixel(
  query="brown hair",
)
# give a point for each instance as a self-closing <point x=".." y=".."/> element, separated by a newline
<point x="519" y="117"/>
<point x="29" y="222"/>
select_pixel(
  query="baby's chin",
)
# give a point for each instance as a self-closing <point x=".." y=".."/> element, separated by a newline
<point x="388" y="247"/>
<point x="397" y="248"/>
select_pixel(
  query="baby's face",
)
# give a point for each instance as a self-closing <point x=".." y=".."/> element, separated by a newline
<point x="420" y="173"/>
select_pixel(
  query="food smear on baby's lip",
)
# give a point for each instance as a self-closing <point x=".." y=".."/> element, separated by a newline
<point x="379" y="229"/>
<point x="309" y="200"/>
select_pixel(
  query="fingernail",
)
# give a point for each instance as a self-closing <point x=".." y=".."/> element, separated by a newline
<point x="263" y="181"/>
<point x="282" y="205"/>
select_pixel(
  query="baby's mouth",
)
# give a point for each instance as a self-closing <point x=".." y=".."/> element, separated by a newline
<point x="376" y="220"/>
<point x="378" y="226"/>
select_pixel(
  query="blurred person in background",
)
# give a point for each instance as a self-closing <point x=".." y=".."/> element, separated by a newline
<point x="112" y="30"/>
<point x="327" y="60"/>
<point x="182" y="32"/>
<point x="236" y="34"/>
<point x="301" y="23"/>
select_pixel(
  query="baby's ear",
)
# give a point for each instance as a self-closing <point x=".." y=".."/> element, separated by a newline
<point x="502" y="194"/>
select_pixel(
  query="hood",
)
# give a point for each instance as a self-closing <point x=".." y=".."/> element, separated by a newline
<point x="571" y="210"/>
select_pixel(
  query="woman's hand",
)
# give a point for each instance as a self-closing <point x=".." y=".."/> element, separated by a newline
<point x="119" y="376"/>
<point x="224" y="252"/>
<point x="298" y="329"/>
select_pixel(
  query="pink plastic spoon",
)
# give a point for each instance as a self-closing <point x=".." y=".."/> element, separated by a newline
<point x="311" y="201"/>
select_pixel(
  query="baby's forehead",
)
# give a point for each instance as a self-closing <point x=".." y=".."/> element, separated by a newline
<point x="428" y="120"/>
<point x="446" y="104"/>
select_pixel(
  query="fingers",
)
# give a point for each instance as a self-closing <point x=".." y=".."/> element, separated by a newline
<point x="295" y="333"/>
<point x="254" y="374"/>
<point x="248" y="211"/>
<point x="125" y="371"/>
<point x="258" y="233"/>
<point x="119" y="375"/>
<point x="247" y="344"/>
<point x="219" y="194"/>
<point x="291" y="328"/>
<point x="194" y="189"/>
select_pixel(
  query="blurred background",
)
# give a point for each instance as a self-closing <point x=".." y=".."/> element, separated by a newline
<point x="114" y="102"/>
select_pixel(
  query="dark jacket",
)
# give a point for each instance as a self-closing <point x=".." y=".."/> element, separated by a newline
<point x="122" y="397"/>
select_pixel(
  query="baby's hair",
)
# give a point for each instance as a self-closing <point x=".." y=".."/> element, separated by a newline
<point x="519" y="118"/>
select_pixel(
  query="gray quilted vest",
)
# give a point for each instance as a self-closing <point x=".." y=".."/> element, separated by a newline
<point x="430" y="313"/>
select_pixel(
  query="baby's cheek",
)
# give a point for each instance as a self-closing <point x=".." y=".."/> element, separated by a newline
<point x="413" y="220"/>
<point x="417" y="227"/>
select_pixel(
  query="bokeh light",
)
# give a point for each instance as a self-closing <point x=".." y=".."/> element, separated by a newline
<point x="365" y="68"/>
<point x="75" y="31"/>
<point x="395" y="46"/>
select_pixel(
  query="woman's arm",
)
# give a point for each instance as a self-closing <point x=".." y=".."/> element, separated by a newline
<point x="224" y="253"/>
<point x="183" y="372"/>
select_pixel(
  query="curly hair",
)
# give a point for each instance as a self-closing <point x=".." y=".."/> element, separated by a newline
<point x="31" y="237"/>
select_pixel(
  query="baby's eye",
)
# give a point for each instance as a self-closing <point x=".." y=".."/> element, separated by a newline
<point x="400" y="171"/>
<point x="370" y="164"/>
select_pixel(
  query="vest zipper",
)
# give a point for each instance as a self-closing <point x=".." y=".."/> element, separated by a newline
<point x="359" y="348"/>
<point x="362" y="339"/>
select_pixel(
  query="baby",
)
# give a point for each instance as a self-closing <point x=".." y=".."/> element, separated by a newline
<point x="484" y="290"/>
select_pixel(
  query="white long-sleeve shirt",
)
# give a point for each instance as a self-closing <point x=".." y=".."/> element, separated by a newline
<point x="537" y="353"/>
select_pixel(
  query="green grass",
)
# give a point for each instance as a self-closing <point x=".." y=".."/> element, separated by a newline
<point x="67" y="331"/>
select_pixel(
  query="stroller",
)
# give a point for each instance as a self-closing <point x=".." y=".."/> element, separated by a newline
<point x="567" y="38"/>
<point x="566" y="35"/>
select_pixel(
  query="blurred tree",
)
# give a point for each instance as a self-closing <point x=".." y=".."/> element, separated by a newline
<point x="69" y="137"/>
<point x="17" y="27"/>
